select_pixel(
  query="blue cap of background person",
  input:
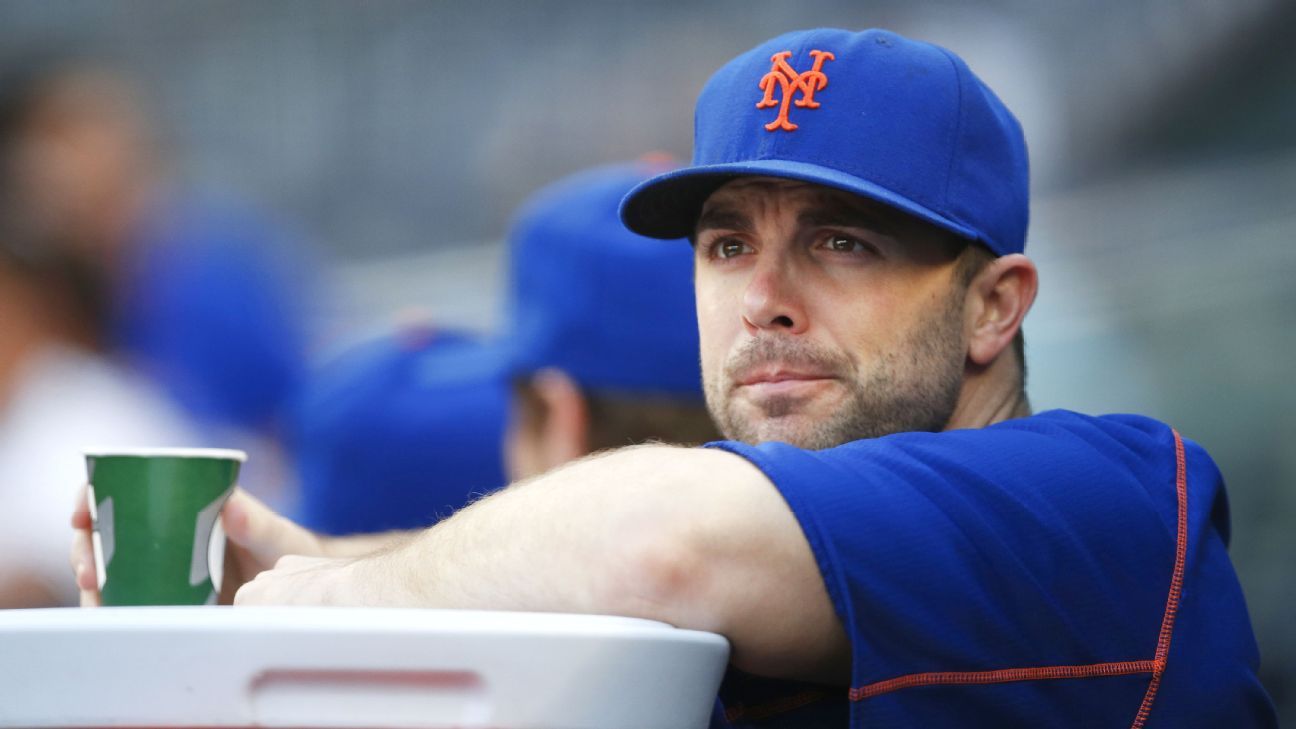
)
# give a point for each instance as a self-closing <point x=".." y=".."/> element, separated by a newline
<point x="400" y="431"/>
<point x="902" y="122"/>
<point x="403" y="430"/>
<point x="611" y="308"/>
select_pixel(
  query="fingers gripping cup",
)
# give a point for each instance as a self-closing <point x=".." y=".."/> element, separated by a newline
<point x="156" y="512"/>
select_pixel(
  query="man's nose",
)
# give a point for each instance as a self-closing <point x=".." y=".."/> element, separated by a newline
<point x="772" y="299"/>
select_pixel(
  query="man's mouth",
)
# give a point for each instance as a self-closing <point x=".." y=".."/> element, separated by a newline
<point x="783" y="380"/>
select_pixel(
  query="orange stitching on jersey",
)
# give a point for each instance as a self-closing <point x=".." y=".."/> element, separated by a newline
<point x="783" y="77"/>
<point x="1156" y="666"/>
<point x="783" y="705"/>
<point x="1005" y="675"/>
<point x="1176" y="583"/>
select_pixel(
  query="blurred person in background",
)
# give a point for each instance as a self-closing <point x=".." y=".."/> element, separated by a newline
<point x="58" y="395"/>
<point x="404" y="430"/>
<point x="205" y="298"/>
<point x="598" y="359"/>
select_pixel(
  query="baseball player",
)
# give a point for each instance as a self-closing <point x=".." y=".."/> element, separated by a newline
<point x="890" y="538"/>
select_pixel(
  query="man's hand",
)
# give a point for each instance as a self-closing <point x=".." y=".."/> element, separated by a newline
<point x="346" y="581"/>
<point x="303" y="581"/>
<point x="256" y="538"/>
<point x="82" y="555"/>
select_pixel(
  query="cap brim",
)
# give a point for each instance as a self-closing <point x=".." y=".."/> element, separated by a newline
<point x="667" y="206"/>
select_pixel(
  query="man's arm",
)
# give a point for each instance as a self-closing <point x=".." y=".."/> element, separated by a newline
<point x="695" y="538"/>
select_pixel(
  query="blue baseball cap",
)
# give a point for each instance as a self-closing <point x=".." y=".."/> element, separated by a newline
<point x="902" y="122"/>
<point x="400" y="431"/>
<point x="611" y="308"/>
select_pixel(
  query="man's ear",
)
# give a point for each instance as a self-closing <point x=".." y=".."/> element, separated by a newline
<point x="998" y="299"/>
<point x="563" y="433"/>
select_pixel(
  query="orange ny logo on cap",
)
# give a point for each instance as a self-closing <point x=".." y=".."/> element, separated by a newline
<point x="788" y="81"/>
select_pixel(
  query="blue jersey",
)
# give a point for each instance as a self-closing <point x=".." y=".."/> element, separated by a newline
<point x="1056" y="570"/>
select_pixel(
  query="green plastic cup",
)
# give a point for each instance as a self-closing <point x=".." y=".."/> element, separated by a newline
<point x="157" y="535"/>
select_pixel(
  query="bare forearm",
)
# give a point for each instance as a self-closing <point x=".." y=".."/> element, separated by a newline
<point x="568" y="541"/>
<point x="698" y="539"/>
<point x="695" y="538"/>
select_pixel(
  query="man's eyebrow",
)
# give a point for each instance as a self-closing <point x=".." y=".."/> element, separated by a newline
<point x="724" y="218"/>
<point x="844" y="217"/>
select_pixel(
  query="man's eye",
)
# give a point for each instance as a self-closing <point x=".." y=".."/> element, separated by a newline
<point x="843" y="244"/>
<point x="728" y="248"/>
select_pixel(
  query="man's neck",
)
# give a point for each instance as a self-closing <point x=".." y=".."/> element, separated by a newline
<point x="990" y="396"/>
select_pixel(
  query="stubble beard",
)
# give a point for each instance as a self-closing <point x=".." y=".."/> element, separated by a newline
<point x="915" y="388"/>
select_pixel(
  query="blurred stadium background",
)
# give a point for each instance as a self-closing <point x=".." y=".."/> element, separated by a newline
<point x="397" y="136"/>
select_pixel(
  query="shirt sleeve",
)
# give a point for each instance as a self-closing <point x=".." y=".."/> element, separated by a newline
<point x="1043" y="542"/>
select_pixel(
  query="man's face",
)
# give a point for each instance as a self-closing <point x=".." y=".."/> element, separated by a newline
<point x="825" y="317"/>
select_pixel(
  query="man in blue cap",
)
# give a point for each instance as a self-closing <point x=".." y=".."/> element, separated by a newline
<point x="893" y="540"/>
<point x="597" y="360"/>
<point x="401" y="431"/>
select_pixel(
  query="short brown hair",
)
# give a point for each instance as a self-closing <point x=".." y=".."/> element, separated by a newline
<point x="618" y="419"/>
